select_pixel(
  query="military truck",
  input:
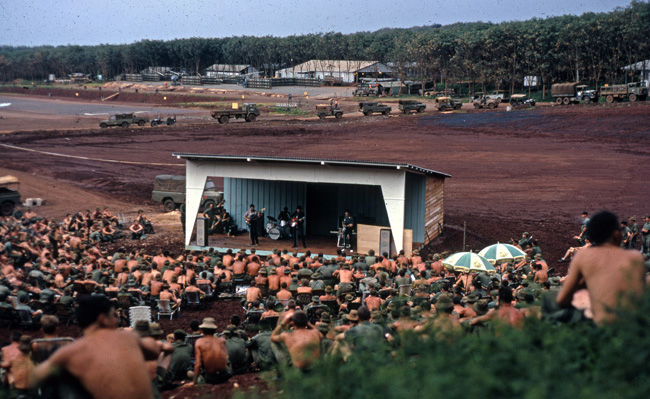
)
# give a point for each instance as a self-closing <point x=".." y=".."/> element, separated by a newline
<point x="160" y="121"/>
<point x="521" y="101"/>
<point x="572" y="93"/>
<point x="369" y="108"/>
<point x="407" y="106"/>
<point x="123" y="120"/>
<point x="332" y="80"/>
<point x="502" y="95"/>
<point x="247" y="111"/>
<point x="325" y="110"/>
<point x="170" y="191"/>
<point x="448" y="104"/>
<point x="9" y="195"/>
<point x="364" y="90"/>
<point x="480" y="100"/>
<point x="631" y="91"/>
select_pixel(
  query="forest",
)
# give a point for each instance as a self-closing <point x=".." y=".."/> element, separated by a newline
<point x="592" y="48"/>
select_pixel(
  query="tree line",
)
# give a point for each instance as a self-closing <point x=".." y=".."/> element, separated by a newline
<point x="591" y="48"/>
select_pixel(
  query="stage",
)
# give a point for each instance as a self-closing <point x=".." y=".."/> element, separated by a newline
<point x="315" y="244"/>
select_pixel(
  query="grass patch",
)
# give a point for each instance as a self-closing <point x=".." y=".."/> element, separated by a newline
<point x="290" y="111"/>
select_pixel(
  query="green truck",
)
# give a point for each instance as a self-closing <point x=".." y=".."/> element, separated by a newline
<point x="406" y="106"/>
<point x="369" y="108"/>
<point x="9" y="195"/>
<point x="636" y="91"/>
<point x="170" y="191"/>
<point x="124" y="120"/>
<point x="248" y="112"/>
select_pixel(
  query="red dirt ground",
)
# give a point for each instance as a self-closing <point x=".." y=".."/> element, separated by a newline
<point x="531" y="170"/>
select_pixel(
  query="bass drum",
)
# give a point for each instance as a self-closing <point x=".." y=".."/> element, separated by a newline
<point x="274" y="233"/>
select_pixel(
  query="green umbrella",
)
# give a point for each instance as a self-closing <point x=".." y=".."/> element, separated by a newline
<point x="502" y="252"/>
<point x="466" y="262"/>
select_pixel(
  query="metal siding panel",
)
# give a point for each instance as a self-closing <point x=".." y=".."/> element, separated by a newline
<point x="414" y="207"/>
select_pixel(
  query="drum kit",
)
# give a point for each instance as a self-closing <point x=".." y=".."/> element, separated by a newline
<point x="277" y="229"/>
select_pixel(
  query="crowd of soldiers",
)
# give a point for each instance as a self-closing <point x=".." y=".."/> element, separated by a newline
<point x="299" y="308"/>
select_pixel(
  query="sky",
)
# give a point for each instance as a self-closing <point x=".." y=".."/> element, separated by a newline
<point x="92" y="22"/>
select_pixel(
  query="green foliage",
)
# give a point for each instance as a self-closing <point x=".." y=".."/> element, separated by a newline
<point x="290" y="111"/>
<point x="542" y="360"/>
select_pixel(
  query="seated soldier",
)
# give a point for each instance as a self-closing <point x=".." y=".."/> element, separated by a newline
<point x="211" y="355"/>
<point x="303" y="342"/>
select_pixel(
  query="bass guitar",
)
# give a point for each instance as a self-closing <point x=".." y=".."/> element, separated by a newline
<point x="256" y="214"/>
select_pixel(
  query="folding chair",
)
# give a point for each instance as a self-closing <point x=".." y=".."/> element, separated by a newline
<point x="303" y="299"/>
<point x="64" y="312"/>
<point x="165" y="308"/>
<point x="405" y="290"/>
<point x="192" y="299"/>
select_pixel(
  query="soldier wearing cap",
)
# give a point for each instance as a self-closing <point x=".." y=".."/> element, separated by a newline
<point x="236" y="347"/>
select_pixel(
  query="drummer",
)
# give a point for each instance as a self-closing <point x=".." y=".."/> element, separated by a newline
<point x="283" y="219"/>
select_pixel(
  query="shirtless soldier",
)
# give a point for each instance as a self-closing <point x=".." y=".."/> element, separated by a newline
<point x="303" y="342"/>
<point x="211" y="355"/>
<point x="109" y="363"/>
<point x="609" y="272"/>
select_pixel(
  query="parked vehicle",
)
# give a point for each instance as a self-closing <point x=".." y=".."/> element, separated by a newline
<point x="123" y="120"/>
<point x="480" y="100"/>
<point x="369" y="108"/>
<point x="248" y="112"/>
<point x="9" y="195"/>
<point x="631" y="91"/>
<point x="332" y="81"/>
<point x="571" y="93"/>
<point x="365" y="90"/>
<point x="521" y="101"/>
<point x="159" y="121"/>
<point x="502" y="95"/>
<point x="325" y="110"/>
<point x="170" y="191"/>
<point x="448" y="104"/>
<point x="407" y="106"/>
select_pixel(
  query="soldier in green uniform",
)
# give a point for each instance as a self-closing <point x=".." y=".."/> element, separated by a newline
<point x="645" y="234"/>
<point x="634" y="229"/>
<point x="583" y="228"/>
<point x="626" y="235"/>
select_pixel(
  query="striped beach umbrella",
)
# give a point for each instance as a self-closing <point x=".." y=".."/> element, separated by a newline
<point x="502" y="252"/>
<point x="468" y="262"/>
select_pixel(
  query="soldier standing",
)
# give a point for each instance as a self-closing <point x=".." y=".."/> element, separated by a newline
<point x="634" y="229"/>
<point x="645" y="233"/>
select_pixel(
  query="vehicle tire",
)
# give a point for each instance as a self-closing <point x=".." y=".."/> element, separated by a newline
<point x="491" y="105"/>
<point x="405" y="112"/>
<point x="103" y="125"/>
<point x="386" y="112"/>
<point x="169" y="205"/>
<point x="153" y="124"/>
<point x="477" y="106"/>
<point x="7" y="208"/>
<point x="458" y="106"/>
<point x="171" y="123"/>
<point x="566" y="101"/>
<point x="338" y="115"/>
<point x="224" y="119"/>
<point x="207" y="203"/>
<point x="586" y="100"/>
<point x="125" y="125"/>
<point x="421" y="109"/>
<point x="321" y="116"/>
<point x="141" y="123"/>
<point x="365" y="113"/>
<point x="558" y="101"/>
<point x="251" y="118"/>
<point x="632" y="98"/>
<point x="609" y="99"/>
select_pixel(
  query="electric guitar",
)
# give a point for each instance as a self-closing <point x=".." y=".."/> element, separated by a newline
<point x="257" y="214"/>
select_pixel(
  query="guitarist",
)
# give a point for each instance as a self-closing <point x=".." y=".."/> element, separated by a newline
<point x="252" y="218"/>
<point x="298" y="226"/>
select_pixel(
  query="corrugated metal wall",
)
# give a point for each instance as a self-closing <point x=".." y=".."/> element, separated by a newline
<point x="414" y="206"/>
<point x="272" y="195"/>
<point x="366" y="203"/>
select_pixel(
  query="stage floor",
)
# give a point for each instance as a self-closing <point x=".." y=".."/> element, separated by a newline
<point x="315" y="244"/>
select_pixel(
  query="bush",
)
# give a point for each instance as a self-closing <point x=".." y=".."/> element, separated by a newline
<point x="542" y="360"/>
